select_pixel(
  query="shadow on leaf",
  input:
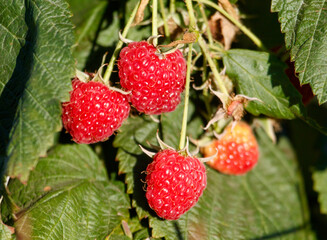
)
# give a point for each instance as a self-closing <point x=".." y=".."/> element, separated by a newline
<point x="282" y="233"/>
<point x="139" y="174"/>
<point x="14" y="89"/>
<point x="178" y="230"/>
<point x="289" y="91"/>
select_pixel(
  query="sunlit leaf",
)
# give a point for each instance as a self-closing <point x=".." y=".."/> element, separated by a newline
<point x="36" y="67"/>
<point x="304" y="23"/>
<point x="69" y="196"/>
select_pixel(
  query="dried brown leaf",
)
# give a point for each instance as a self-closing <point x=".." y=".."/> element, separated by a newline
<point x="140" y="12"/>
<point x="174" y="29"/>
<point x="221" y="28"/>
<point x="188" y="37"/>
<point x="229" y="8"/>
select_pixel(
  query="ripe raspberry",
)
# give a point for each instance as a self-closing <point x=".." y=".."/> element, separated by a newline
<point x="238" y="150"/>
<point x="94" y="112"/>
<point x="174" y="183"/>
<point x="156" y="84"/>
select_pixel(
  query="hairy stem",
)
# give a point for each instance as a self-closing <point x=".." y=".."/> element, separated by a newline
<point x="244" y="29"/>
<point x="119" y="46"/>
<point x="186" y="98"/>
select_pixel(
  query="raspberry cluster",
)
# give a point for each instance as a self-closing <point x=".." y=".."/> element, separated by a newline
<point x="95" y="111"/>
<point x="155" y="84"/>
<point x="174" y="183"/>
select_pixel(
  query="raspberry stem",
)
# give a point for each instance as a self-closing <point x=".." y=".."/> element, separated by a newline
<point x="119" y="46"/>
<point x="164" y="18"/>
<point x="155" y="21"/>
<point x="192" y="27"/>
<point x="206" y="23"/>
<point x="212" y="65"/>
<point x="186" y="98"/>
<point x="237" y="23"/>
<point x="172" y="7"/>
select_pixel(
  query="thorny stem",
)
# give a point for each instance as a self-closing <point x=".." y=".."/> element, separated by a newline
<point x="119" y="46"/>
<point x="155" y="21"/>
<point x="212" y="65"/>
<point x="186" y="98"/>
<point x="164" y="18"/>
<point x="244" y="29"/>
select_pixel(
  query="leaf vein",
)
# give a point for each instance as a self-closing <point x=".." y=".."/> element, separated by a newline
<point x="312" y="38"/>
<point x="41" y="106"/>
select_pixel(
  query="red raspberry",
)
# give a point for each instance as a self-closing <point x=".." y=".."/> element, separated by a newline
<point x="156" y="84"/>
<point x="94" y="112"/>
<point x="174" y="183"/>
<point x="238" y="150"/>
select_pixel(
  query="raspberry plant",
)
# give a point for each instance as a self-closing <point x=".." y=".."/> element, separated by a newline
<point x="237" y="62"/>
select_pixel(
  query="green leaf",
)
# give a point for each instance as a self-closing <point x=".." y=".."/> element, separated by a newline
<point x="69" y="196"/>
<point x="320" y="177"/>
<point x="130" y="156"/>
<point x="304" y="23"/>
<point x="118" y="237"/>
<point x="132" y="161"/>
<point x="91" y="25"/>
<point x="171" y="125"/>
<point x="5" y="233"/>
<point x="261" y="75"/>
<point x="82" y="11"/>
<point x="266" y="203"/>
<point x="35" y="69"/>
<point x="142" y="234"/>
<point x="88" y="18"/>
<point x="97" y="26"/>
